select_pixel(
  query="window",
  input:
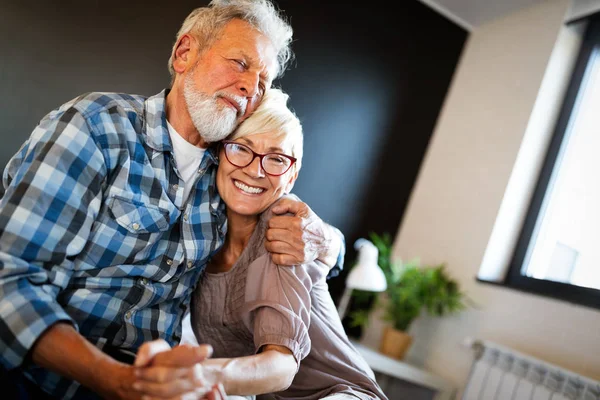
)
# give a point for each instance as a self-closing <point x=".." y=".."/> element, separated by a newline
<point x="558" y="252"/>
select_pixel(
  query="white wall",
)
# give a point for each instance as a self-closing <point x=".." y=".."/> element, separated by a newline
<point x="459" y="193"/>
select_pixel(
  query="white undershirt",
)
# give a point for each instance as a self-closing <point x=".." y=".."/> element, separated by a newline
<point x="187" y="158"/>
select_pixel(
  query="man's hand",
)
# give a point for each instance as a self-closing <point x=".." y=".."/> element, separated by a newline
<point x="175" y="373"/>
<point x="301" y="237"/>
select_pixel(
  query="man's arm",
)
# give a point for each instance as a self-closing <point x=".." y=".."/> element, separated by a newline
<point x="63" y="350"/>
<point x="303" y="237"/>
<point x="53" y="194"/>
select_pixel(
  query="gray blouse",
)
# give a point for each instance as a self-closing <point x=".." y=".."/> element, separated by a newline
<point x="257" y="303"/>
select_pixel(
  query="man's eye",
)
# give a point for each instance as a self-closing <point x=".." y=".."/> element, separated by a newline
<point x="241" y="63"/>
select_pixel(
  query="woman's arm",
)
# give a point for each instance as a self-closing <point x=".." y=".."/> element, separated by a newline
<point x="271" y="370"/>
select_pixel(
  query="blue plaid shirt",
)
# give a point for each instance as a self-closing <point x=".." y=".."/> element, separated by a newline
<point x="94" y="230"/>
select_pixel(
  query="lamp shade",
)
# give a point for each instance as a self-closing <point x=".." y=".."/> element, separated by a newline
<point x="366" y="274"/>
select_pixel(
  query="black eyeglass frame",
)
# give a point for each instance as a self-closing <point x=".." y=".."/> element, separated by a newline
<point x="260" y="157"/>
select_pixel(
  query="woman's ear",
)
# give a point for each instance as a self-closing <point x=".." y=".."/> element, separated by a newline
<point x="292" y="180"/>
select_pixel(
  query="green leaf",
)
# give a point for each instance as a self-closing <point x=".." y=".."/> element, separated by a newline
<point x="359" y="318"/>
<point x="411" y="289"/>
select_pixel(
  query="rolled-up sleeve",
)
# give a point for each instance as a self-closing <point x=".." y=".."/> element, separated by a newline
<point x="280" y="300"/>
<point x="53" y="191"/>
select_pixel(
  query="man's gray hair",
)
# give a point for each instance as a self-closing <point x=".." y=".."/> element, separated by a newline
<point x="205" y="24"/>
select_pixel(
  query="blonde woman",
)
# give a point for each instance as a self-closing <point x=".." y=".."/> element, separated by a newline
<point x="274" y="330"/>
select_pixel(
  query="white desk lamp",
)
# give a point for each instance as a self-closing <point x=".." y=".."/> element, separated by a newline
<point x="365" y="275"/>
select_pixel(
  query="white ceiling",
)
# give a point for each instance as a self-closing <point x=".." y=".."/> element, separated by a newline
<point x="472" y="13"/>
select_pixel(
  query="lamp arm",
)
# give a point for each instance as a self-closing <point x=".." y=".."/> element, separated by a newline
<point x="345" y="300"/>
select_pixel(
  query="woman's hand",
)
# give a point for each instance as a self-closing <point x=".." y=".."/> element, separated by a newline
<point x="165" y="373"/>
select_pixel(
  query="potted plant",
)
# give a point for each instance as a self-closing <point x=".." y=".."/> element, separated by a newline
<point x="411" y="290"/>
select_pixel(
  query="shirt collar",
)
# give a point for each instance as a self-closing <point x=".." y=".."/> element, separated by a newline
<point x="155" y="122"/>
<point x="157" y="132"/>
<point x="213" y="152"/>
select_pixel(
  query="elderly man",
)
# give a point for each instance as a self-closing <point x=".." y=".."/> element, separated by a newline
<point x="111" y="211"/>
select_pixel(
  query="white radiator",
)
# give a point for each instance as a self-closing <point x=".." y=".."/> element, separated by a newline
<point x="500" y="373"/>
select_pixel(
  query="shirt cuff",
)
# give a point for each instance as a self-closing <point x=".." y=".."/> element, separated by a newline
<point x="339" y="264"/>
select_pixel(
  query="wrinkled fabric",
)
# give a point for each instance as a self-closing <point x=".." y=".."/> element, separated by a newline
<point x="257" y="303"/>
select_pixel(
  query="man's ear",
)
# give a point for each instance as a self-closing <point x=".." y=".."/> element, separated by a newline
<point x="184" y="55"/>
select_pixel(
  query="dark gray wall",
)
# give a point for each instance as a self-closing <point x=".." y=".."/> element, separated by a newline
<point x="368" y="84"/>
<point x="53" y="51"/>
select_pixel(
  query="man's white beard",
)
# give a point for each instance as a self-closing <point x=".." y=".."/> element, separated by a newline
<point x="213" y="122"/>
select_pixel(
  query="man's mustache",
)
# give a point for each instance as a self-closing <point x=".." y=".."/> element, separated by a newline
<point x="240" y="102"/>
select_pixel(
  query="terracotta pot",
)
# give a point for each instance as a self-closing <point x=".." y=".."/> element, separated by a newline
<point x="395" y="343"/>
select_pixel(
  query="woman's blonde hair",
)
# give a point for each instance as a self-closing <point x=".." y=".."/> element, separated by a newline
<point x="206" y="23"/>
<point x="274" y="116"/>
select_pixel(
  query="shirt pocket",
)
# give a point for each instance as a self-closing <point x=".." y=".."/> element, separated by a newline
<point x="137" y="217"/>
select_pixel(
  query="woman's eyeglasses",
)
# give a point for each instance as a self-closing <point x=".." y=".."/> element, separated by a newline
<point x="240" y="155"/>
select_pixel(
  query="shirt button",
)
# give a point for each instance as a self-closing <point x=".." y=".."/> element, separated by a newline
<point x="190" y="264"/>
<point x="169" y="261"/>
<point x="128" y="315"/>
<point x="175" y="187"/>
<point x="135" y="226"/>
<point x="185" y="217"/>
<point x="201" y="171"/>
<point x="144" y="281"/>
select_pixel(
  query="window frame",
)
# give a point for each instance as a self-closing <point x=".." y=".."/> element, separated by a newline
<point x="514" y="279"/>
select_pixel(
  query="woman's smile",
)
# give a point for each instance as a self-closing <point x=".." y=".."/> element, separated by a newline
<point x="247" y="189"/>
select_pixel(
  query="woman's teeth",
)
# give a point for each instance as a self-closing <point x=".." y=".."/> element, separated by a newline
<point x="248" y="189"/>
